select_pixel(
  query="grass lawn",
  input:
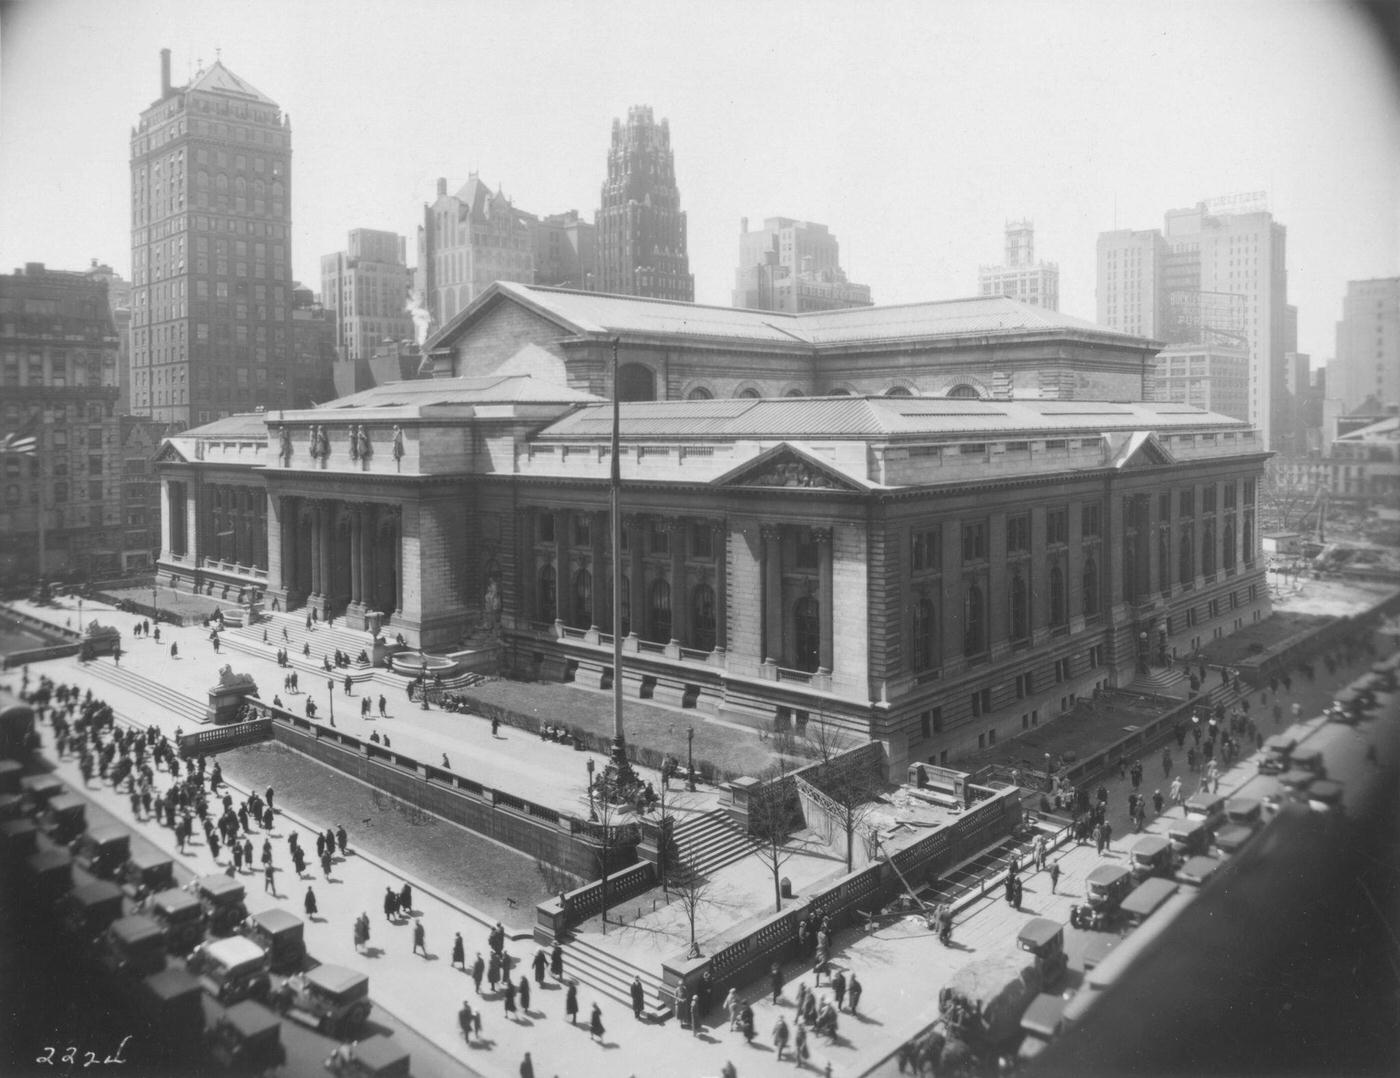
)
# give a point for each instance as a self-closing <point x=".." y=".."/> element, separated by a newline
<point x="1260" y="636"/>
<point x="734" y="751"/>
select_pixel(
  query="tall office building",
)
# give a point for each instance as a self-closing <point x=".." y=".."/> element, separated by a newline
<point x="1368" y="344"/>
<point x="641" y="241"/>
<point x="1020" y="276"/>
<point x="1216" y="273"/>
<point x="468" y="240"/>
<point x="793" y="266"/>
<point x="364" y="290"/>
<point x="211" y="266"/>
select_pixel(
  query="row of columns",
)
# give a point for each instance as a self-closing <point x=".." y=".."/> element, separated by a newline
<point x="334" y="553"/>
<point x="778" y="646"/>
<point x="234" y="524"/>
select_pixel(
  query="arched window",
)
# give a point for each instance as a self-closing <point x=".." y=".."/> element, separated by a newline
<point x="840" y="393"/>
<point x="807" y="632"/>
<point x="1186" y="569"/>
<point x="1230" y="552"/>
<point x="699" y="393"/>
<point x="702" y="617"/>
<point x="660" y="612"/>
<point x="964" y="392"/>
<point x="1091" y="587"/>
<point x="974" y="621"/>
<point x="636" y="382"/>
<point x="1208" y="549"/>
<point x="547" y="594"/>
<point x="1247" y="537"/>
<point x="1020" y="608"/>
<point x="583" y="599"/>
<point x="793" y="393"/>
<point x="898" y="391"/>
<point x="921" y="654"/>
<point x="1059" y="612"/>
<point x="748" y="394"/>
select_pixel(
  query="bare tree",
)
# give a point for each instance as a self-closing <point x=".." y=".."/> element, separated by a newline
<point x="773" y="817"/>
<point x="828" y="739"/>
<point x="853" y="793"/>
<point x="1286" y="495"/>
<point x="690" y="889"/>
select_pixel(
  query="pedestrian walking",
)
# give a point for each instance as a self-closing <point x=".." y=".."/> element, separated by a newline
<point x="731" y="1008"/>
<point x="174" y="651"/>
<point x="383" y="707"/>
<point x="838" y="988"/>
<point x="1176" y="791"/>
<point x="459" y="953"/>
<point x="821" y="966"/>
<point x="510" y="999"/>
<point x="493" y="970"/>
<point x="524" y="992"/>
<point x="1098" y="839"/>
<point x="237" y="851"/>
<point x="775" y="982"/>
<point x="1107" y="835"/>
<point x="595" y="1023"/>
<point x="391" y="900"/>
<point x="746" y="1024"/>
<point x="326" y="865"/>
<point x="419" y="939"/>
<point x="349" y="685"/>
<point x="406" y="899"/>
<point x="1054" y="876"/>
<point x="268" y="883"/>
<point x="248" y="853"/>
<point x="298" y="860"/>
<point x="799" y="1046"/>
<point x="1017" y="889"/>
<point x="556" y="961"/>
<point x="540" y="963"/>
<point x="361" y="930"/>
<point x="342" y="838"/>
<point x="854" y="991"/>
<point x="310" y="904"/>
<point x="780" y="1036"/>
<point x="571" y="1003"/>
<point x="478" y="971"/>
<point x="527" y="1069"/>
<point x="638" y="998"/>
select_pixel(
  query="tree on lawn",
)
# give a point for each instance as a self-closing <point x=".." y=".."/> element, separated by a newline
<point x="773" y="816"/>
<point x="690" y="889"/>
<point x="828" y="739"/>
<point x="1287" y="495"/>
<point x="853" y="791"/>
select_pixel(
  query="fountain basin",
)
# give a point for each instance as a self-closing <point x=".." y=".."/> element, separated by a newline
<point x="413" y="663"/>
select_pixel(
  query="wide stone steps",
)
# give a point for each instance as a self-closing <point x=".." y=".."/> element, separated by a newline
<point x="238" y="640"/>
<point x="148" y="689"/>
<point x="611" y="977"/>
<point x="710" y="841"/>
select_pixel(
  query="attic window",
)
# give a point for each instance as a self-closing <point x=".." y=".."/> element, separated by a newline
<point x="1018" y="447"/>
<point x="1057" y="443"/>
<point x="973" y="449"/>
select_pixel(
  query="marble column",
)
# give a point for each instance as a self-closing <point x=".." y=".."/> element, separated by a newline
<point x="720" y="546"/>
<point x="563" y="582"/>
<point x="602" y="570"/>
<point x="823" y="538"/>
<point x="636" y="536"/>
<point x="680" y="607"/>
<point x="356" y="554"/>
<point x="773" y="594"/>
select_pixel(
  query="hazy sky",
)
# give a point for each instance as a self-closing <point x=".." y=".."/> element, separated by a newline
<point x="914" y="130"/>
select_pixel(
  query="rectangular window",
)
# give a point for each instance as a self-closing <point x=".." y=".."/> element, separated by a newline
<point x="981" y="703"/>
<point x="583" y="532"/>
<point x="1249" y="492"/>
<point x="1091" y="521"/>
<point x="660" y="539"/>
<point x="1057" y="527"/>
<point x="1164" y="507"/>
<point x="974" y="541"/>
<point x="805" y="549"/>
<point x="1024" y="685"/>
<point x="1095" y="656"/>
<point x="1208" y="498"/>
<point x="1187" y="501"/>
<point x="1061" y="670"/>
<point x="925" y="550"/>
<point x="545" y="527"/>
<point x="702" y="540"/>
<point x="1018" y="534"/>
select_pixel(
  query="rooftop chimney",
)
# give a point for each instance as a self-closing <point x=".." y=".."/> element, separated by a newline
<point x="164" y="73"/>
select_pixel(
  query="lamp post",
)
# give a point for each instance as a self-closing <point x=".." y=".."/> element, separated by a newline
<point x="592" y="815"/>
<point x="690" y="759"/>
<point x="423" y="683"/>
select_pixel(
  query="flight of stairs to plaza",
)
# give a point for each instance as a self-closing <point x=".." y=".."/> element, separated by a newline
<point x="611" y="976"/>
<point x="1161" y="681"/>
<point x="324" y="640"/>
<point x="155" y="692"/>
<point x="710" y="841"/>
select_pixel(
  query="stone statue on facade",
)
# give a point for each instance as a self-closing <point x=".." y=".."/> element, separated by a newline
<point x="361" y="442"/>
<point x="284" y="452"/>
<point x="398" y="442"/>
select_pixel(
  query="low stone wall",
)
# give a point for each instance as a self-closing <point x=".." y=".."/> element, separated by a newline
<point x="39" y="655"/>
<point x="746" y="951"/>
<point x="222" y="738"/>
<point x="556" y="916"/>
<point x="537" y="831"/>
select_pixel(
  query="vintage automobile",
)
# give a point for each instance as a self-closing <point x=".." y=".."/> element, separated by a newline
<point x="373" y="1057"/>
<point x="18" y="840"/>
<point x="133" y="947"/>
<point x="181" y="915"/>
<point x="1045" y="939"/>
<point x="38" y="790"/>
<point x="1041" y="1024"/>
<point x="1104" y="890"/>
<point x="1146" y="899"/>
<point x="1273" y="759"/>
<point x="330" y="999"/>
<point x="1309" y="759"/>
<point x="1324" y="795"/>
<point x="171" y="1006"/>
<point x="146" y="872"/>
<point x="1244" y="816"/>
<point x="231" y="969"/>
<point x="1150" y="855"/>
<point x="1199" y="870"/>
<point x="89" y="909"/>
<point x="103" y="850"/>
<point x="222" y="899"/>
<point x="248" y="1037"/>
<point x="1208" y="807"/>
<point x="281" y="934"/>
<point x="1188" y="837"/>
<point x="48" y="876"/>
<point x="1097" y="948"/>
<point x="63" y="818"/>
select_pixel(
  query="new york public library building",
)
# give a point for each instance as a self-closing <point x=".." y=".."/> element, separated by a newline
<point x="933" y="525"/>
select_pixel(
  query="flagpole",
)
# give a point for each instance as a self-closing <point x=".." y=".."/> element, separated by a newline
<point x="619" y="743"/>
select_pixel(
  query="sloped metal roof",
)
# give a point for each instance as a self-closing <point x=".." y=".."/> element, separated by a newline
<point x="221" y="80"/>
<point x="601" y="314"/>
<point x="482" y="389"/>
<point x="844" y="417"/>
<point x="243" y="425"/>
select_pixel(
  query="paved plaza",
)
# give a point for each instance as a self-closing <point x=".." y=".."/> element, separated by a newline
<point x="900" y="964"/>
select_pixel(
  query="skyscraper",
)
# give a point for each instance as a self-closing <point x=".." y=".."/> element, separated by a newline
<point x="793" y="266"/>
<point x="1368" y="344"/>
<point x="364" y="289"/>
<point x="1216" y="273"/>
<point x="468" y="240"/>
<point x="211" y="259"/>
<point x="1020" y="276"/>
<point x="641" y="241"/>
